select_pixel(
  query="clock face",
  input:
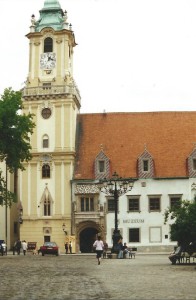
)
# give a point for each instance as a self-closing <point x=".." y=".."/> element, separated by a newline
<point x="47" y="60"/>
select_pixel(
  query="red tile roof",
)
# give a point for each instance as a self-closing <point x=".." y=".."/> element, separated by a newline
<point x="169" y="137"/>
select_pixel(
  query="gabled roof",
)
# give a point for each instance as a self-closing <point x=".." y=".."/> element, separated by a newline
<point x="170" y="137"/>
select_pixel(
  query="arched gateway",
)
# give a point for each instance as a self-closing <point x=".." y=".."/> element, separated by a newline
<point x="86" y="235"/>
<point x="87" y="238"/>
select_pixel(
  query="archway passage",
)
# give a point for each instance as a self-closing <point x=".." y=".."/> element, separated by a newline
<point x="87" y="238"/>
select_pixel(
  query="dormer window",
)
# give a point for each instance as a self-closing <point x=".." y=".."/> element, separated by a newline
<point x="145" y="163"/>
<point x="48" y="45"/>
<point x="194" y="164"/>
<point x="101" y="166"/>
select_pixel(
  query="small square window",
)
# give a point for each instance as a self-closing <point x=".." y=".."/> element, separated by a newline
<point x="175" y="201"/>
<point x="134" y="204"/>
<point x="111" y="205"/>
<point x="154" y="204"/>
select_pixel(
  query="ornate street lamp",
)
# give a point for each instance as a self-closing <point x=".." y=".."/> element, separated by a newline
<point x="116" y="187"/>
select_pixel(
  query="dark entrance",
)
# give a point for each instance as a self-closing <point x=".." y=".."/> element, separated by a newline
<point x="87" y="238"/>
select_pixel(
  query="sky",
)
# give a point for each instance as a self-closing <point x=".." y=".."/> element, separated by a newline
<point x="132" y="55"/>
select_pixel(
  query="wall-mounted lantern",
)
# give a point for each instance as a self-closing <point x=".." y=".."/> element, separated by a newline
<point x="63" y="227"/>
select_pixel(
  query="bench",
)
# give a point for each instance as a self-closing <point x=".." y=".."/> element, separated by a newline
<point x="31" y="246"/>
<point x="131" y="254"/>
<point x="185" y="257"/>
<point x="109" y="254"/>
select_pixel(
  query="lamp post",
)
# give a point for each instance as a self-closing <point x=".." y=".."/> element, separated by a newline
<point x="116" y="187"/>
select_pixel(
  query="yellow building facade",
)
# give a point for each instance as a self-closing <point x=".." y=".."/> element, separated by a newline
<point x="51" y="94"/>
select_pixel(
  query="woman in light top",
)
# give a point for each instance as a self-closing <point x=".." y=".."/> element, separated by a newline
<point x="98" y="245"/>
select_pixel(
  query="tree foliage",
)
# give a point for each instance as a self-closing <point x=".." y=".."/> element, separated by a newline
<point x="183" y="228"/>
<point x="15" y="131"/>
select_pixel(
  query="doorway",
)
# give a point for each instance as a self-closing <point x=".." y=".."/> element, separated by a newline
<point x="87" y="238"/>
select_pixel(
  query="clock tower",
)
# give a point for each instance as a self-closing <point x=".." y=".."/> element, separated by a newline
<point x="50" y="93"/>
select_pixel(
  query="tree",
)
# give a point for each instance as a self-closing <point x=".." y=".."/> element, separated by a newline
<point x="183" y="229"/>
<point x="15" y="131"/>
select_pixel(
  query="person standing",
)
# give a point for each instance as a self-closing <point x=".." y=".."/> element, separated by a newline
<point x="24" y="247"/>
<point x="70" y="247"/>
<point x="98" y="245"/>
<point x="66" y="248"/>
<point x="105" y="249"/>
<point x="120" y="246"/>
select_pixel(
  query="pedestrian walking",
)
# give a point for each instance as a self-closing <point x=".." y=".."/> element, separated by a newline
<point x="18" y="246"/>
<point x="70" y="247"/>
<point x="98" y="245"/>
<point x="66" y="248"/>
<point x="14" y="247"/>
<point x="24" y="247"/>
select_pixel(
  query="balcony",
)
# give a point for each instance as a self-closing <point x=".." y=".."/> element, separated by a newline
<point x="31" y="93"/>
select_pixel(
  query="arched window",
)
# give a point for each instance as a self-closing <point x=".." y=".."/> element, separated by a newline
<point x="46" y="203"/>
<point x="47" y="207"/>
<point x="45" y="141"/>
<point x="48" y="45"/>
<point x="46" y="171"/>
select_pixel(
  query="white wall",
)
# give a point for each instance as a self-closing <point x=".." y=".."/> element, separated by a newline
<point x="151" y="224"/>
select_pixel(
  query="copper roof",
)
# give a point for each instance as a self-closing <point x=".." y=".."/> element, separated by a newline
<point x="169" y="137"/>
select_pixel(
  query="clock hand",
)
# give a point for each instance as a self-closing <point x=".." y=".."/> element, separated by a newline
<point x="49" y="58"/>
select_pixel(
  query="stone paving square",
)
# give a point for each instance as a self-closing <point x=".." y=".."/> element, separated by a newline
<point x="148" y="276"/>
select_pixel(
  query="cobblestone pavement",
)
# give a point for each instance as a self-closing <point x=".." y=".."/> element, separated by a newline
<point x="79" y="277"/>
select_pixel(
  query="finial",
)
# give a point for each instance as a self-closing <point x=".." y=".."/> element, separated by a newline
<point x="101" y="147"/>
<point x="33" y="19"/>
<point x="65" y="16"/>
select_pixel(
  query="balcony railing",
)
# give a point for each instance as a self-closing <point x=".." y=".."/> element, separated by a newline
<point x="51" y="90"/>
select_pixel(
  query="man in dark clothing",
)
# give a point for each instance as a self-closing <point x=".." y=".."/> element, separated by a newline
<point x="66" y="248"/>
<point x="18" y="247"/>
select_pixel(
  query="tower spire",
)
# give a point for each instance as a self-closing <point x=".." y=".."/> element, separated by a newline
<point x="51" y="15"/>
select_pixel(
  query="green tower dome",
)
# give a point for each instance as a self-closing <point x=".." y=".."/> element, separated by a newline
<point x="51" y="4"/>
<point x="51" y="15"/>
